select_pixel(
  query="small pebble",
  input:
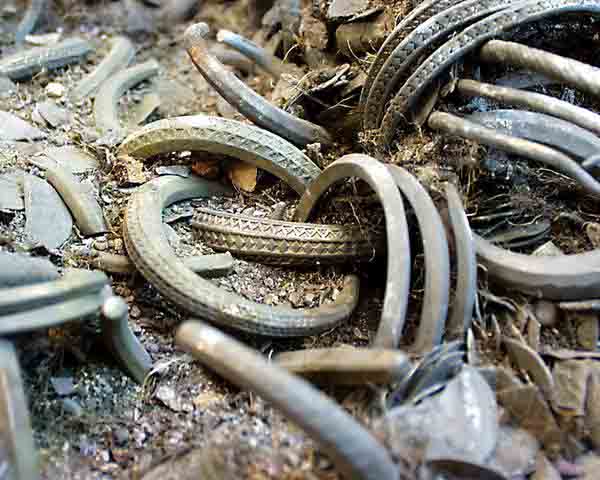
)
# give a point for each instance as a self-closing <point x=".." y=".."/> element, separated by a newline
<point x="54" y="89"/>
<point x="101" y="245"/>
<point x="121" y="436"/>
<point x="73" y="407"/>
<point x="63" y="386"/>
<point x="52" y="114"/>
<point x="546" y="313"/>
<point x="135" y="312"/>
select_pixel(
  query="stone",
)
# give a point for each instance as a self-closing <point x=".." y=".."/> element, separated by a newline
<point x="11" y="194"/>
<point x="54" y="89"/>
<point x="53" y="114"/>
<point x="63" y="386"/>
<point x="7" y="87"/>
<point x="15" y="128"/>
<point x="546" y="312"/>
<point x="49" y="221"/>
<point x="356" y="38"/>
<point x="17" y="269"/>
<point x="72" y="158"/>
<point x="343" y="9"/>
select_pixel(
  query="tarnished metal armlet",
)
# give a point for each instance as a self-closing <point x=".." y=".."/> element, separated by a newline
<point x="206" y="265"/>
<point x="76" y="295"/>
<point x="27" y="63"/>
<point x="464" y="42"/>
<point x="149" y="249"/>
<point x="581" y="305"/>
<point x="259" y="55"/>
<point x="379" y="178"/>
<point x="227" y="137"/>
<point x="567" y="277"/>
<point x="15" y="426"/>
<point x="437" y="260"/>
<point x="244" y="99"/>
<point x="409" y="23"/>
<point x="564" y="136"/>
<point x="286" y="243"/>
<point x="106" y="112"/>
<point x="466" y="267"/>
<point x="454" y="125"/>
<point x="566" y="70"/>
<point x="120" y="340"/>
<point x="84" y="207"/>
<point x="418" y="44"/>
<point x="535" y="101"/>
<point x="352" y="448"/>
<point x="346" y="365"/>
<point x="120" y="55"/>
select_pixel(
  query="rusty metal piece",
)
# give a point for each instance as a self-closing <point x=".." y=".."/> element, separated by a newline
<point x="286" y="243"/>
<point x="464" y="42"/>
<point x="346" y="365"/>
<point x="466" y="266"/>
<point x="454" y="125"/>
<point x="437" y="260"/>
<point x="535" y="101"/>
<point x="354" y="451"/>
<point x="382" y="182"/>
<point x="149" y="249"/>
<point x="248" y="102"/>
<point x="566" y="70"/>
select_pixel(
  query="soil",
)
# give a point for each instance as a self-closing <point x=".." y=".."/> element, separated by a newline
<point x="184" y="416"/>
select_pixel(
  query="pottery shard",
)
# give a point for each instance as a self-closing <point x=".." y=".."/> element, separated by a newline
<point x="342" y="9"/>
<point x="49" y="221"/>
<point x="471" y="419"/>
<point x="14" y="128"/>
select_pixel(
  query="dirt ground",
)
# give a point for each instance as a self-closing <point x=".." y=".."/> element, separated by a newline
<point x="105" y="426"/>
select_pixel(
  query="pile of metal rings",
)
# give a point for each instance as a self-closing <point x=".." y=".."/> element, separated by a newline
<point x="407" y="74"/>
<point x="424" y="46"/>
